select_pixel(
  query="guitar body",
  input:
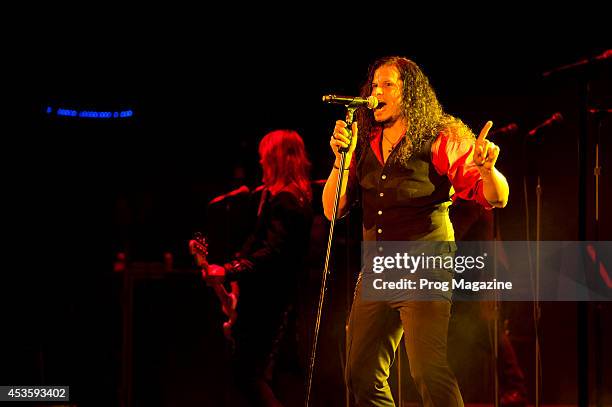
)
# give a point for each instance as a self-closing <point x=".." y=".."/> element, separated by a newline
<point x="229" y="300"/>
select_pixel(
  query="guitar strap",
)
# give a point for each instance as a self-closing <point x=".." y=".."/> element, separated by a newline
<point x="262" y="200"/>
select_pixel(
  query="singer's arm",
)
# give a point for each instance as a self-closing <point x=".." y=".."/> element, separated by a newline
<point x="470" y="167"/>
<point x="340" y="138"/>
<point x="495" y="185"/>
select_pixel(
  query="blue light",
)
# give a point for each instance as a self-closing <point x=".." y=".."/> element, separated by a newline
<point x="90" y="114"/>
<point x="66" y="112"/>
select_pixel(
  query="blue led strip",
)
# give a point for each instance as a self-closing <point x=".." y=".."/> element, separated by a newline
<point x="90" y="114"/>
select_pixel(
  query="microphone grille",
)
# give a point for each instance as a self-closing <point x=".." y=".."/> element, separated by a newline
<point x="372" y="102"/>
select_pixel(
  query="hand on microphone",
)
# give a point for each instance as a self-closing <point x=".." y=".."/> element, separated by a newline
<point x="485" y="152"/>
<point x="341" y="139"/>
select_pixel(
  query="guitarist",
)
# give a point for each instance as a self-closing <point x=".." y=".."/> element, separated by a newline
<point x="270" y="263"/>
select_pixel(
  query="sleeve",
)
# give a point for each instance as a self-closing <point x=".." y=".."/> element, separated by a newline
<point x="277" y="237"/>
<point x="453" y="155"/>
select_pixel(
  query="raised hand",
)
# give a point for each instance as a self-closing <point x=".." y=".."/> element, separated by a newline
<point x="485" y="152"/>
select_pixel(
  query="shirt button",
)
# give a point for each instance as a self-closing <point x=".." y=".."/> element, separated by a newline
<point x="380" y="212"/>
<point x="382" y="194"/>
<point x="383" y="176"/>
<point x="380" y="249"/>
<point x="379" y="230"/>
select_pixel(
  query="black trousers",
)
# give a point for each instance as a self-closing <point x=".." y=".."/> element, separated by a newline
<point x="259" y="334"/>
<point x="374" y="331"/>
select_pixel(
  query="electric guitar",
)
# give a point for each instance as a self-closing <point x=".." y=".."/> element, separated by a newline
<point x="199" y="249"/>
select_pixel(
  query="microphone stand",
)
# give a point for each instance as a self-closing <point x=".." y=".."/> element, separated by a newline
<point x="537" y="309"/>
<point x="350" y="112"/>
<point x="496" y="241"/>
<point x="596" y="261"/>
<point x="583" y="307"/>
<point x="536" y="290"/>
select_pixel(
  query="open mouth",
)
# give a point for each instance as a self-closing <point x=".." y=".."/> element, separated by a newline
<point x="380" y="105"/>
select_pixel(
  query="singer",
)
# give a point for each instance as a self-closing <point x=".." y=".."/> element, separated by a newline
<point x="269" y="265"/>
<point x="401" y="170"/>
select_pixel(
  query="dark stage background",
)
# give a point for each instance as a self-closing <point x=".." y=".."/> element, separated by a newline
<point x="201" y="101"/>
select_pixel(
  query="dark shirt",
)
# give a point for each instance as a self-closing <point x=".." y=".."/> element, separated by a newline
<point x="273" y="256"/>
<point x="410" y="202"/>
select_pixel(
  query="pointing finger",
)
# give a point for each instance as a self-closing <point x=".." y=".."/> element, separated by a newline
<point x="485" y="131"/>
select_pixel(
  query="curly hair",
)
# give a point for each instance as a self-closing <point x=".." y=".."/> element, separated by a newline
<point x="420" y="108"/>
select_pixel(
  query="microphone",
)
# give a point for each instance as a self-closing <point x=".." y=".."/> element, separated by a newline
<point x="600" y="111"/>
<point x="511" y="128"/>
<point x="554" y="118"/>
<point x="603" y="56"/>
<point x="238" y="191"/>
<point x="351" y="101"/>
